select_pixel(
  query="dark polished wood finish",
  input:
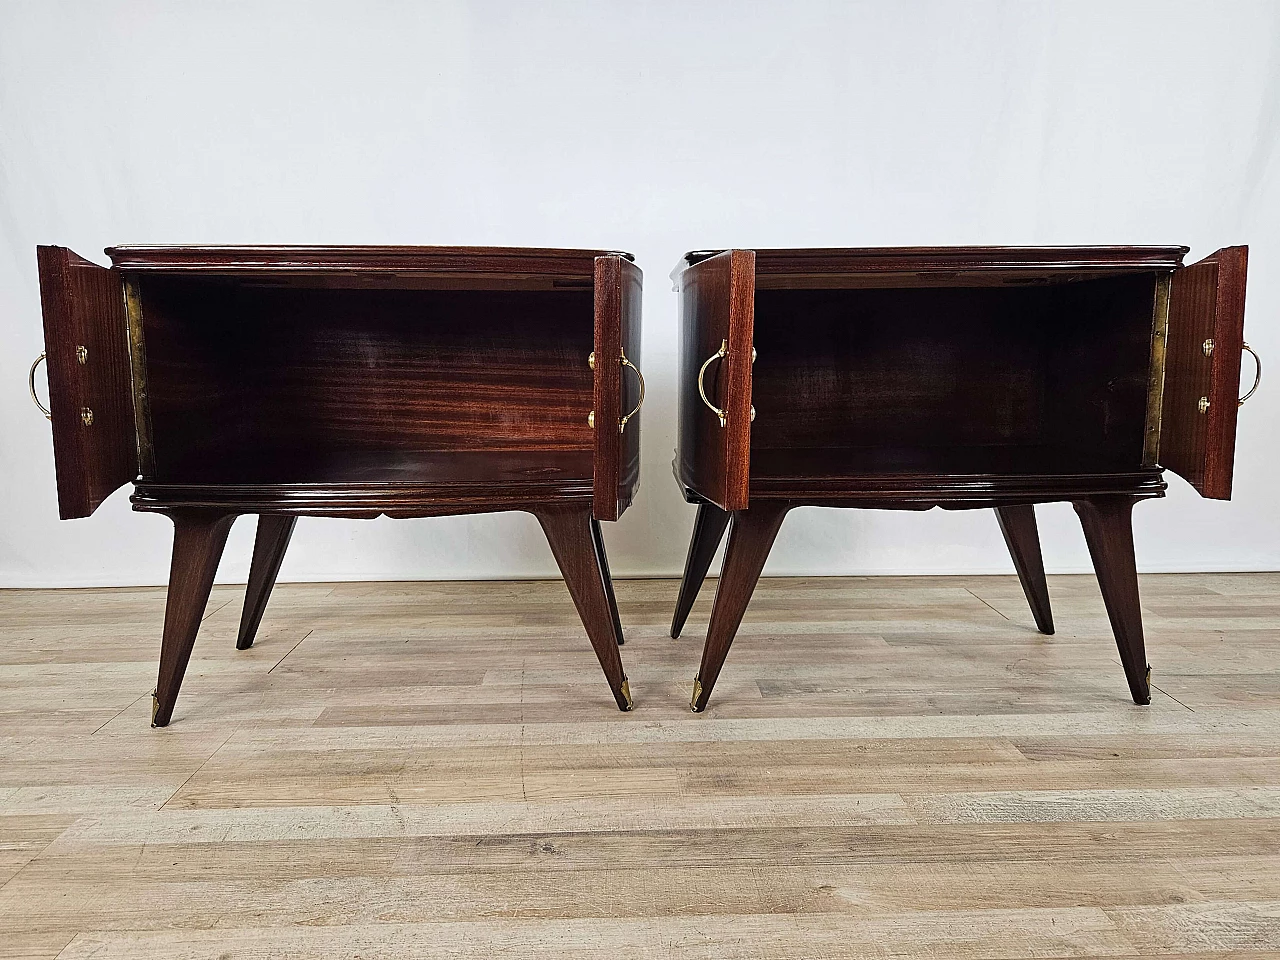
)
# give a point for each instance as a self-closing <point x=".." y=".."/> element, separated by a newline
<point x="751" y="536"/>
<point x="1206" y="304"/>
<point x="1018" y="524"/>
<point x="198" y="539"/>
<point x="83" y="308"/>
<point x="1108" y="529"/>
<point x="714" y="456"/>
<point x="269" y="546"/>
<point x="347" y="382"/>
<point x="617" y="390"/>
<point x="597" y="542"/>
<point x="708" y="530"/>
<point x="960" y="378"/>
<point x="476" y="265"/>
<point x="580" y="555"/>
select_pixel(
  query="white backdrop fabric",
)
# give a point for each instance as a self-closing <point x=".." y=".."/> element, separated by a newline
<point x="653" y="127"/>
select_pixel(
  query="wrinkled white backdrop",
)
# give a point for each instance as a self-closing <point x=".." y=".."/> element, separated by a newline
<point x="654" y="127"/>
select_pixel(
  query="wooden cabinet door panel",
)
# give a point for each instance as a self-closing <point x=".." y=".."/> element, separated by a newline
<point x="90" y="395"/>
<point x="717" y="320"/>
<point x="618" y="285"/>
<point x="1202" y="371"/>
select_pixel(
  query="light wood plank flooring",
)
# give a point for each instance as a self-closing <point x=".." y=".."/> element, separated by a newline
<point x="890" y="768"/>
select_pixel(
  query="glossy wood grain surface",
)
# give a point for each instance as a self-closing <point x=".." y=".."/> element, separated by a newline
<point x="269" y="547"/>
<point x="951" y="381"/>
<point x="891" y="767"/>
<point x="83" y="306"/>
<point x="1206" y="303"/>
<point x="245" y="381"/>
<point x="473" y="262"/>
<point x="617" y="306"/>
<point x="717" y="305"/>
<point x="963" y="377"/>
<point x="346" y="382"/>
<point x="708" y="531"/>
<point x="1022" y="538"/>
<point x="905" y="267"/>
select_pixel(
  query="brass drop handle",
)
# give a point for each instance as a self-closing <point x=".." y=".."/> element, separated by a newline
<point x="702" y="390"/>
<point x="622" y="424"/>
<point x="31" y="385"/>
<point x="1257" y="376"/>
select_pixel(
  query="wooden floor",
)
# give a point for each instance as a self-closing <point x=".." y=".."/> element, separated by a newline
<point x="890" y="768"/>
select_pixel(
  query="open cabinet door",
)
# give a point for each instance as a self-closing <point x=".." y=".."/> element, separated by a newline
<point x="86" y="340"/>
<point x="717" y="321"/>
<point x="619" y="387"/>
<point x="1202" y="371"/>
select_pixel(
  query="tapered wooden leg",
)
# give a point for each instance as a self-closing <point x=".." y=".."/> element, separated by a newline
<point x="708" y="528"/>
<point x="274" y="531"/>
<point x="198" y="539"/>
<point x="580" y="554"/>
<point x="751" y="536"/>
<point x="1018" y="524"/>
<point x="597" y="541"/>
<point x="1108" y="528"/>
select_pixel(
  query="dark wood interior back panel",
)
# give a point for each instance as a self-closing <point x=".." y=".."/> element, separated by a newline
<point x="242" y="376"/>
<point x="955" y="379"/>
<point x="83" y="306"/>
<point x="617" y="329"/>
<point x="1099" y="371"/>
<point x="717" y="303"/>
<point x="1206" y="301"/>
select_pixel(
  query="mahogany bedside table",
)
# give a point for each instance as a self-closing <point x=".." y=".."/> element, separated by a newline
<point x="954" y="377"/>
<point x="346" y="382"/>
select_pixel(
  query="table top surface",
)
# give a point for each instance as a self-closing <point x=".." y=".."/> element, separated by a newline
<point x="948" y="265"/>
<point x="538" y="261"/>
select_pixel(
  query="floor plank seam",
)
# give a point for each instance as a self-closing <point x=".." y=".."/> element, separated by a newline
<point x="216" y="610"/>
<point x="124" y="711"/>
<point x="290" y="650"/>
<point x="204" y="763"/>
<point x="1172" y="697"/>
<point x="984" y="602"/>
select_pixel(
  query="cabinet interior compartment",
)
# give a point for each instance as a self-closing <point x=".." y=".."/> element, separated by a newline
<point x="1014" y="379"/>
<point x="293" y="382"/>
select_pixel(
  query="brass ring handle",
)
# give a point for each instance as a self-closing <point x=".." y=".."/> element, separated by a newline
<point x="622" y="424"/>
<point x="31" y="385"/>
<point x="702" y="391"/>
<point x="1257" y="377"/>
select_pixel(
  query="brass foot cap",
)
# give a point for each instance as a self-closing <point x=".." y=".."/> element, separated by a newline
<point x="625" y="690"/>
<point x="697" y="695"/>
<point x="155" y="706"/>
